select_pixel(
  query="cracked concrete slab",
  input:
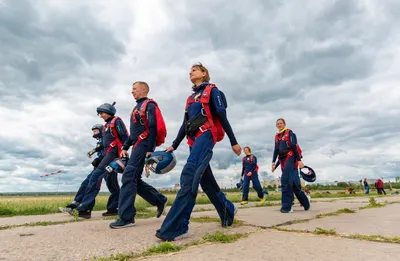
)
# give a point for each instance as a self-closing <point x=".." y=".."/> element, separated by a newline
<point x="274" y="246"/>
<point x="374" y="221"/>
<point x="77" y="241"/>
<point x="270" y="216"/>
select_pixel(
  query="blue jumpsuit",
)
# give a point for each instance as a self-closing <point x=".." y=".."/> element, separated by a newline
<point x="250" y="166"/>
<point x="290" y="184"/>
<point x="100" y="172"/>
<point x="100" y="154"/>
<point x="177" y="220"/>
<point x="132" y="182"/>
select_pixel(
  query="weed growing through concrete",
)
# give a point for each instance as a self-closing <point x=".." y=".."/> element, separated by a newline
<point x="375" y="238"/>
<point x="221" y="237"/>
<point x="207" y="219"/>
<point x="373" y="204"/>
<point x="336" y="213"/>
<point x="321" y="231"/>
<point x="168" y="247"/>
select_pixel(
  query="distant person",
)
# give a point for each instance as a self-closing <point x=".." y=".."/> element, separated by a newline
<point x="250" y="173"/>
<point x="366" y="186"/>
<point x="379" y="187"/>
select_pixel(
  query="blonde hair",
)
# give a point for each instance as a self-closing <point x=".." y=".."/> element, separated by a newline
<point x="201" y="67"/>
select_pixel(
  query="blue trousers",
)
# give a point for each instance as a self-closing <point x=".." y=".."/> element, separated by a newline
<point x="81" y="191"/>
<point x="177" y="220"/>
<point x="290" y="185"/>
<point x="366" y="189"/>
<point x="296" y="180"/>
<point x="256" y="185"/>
<point x="133" y="184"/>
<point x="94" y="184"/>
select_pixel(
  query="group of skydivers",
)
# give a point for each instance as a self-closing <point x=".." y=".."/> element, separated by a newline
<point x="205" y="123"/>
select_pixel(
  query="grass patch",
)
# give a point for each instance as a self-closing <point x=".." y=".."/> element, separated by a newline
<point x="168" y="247"/>
<point x="321" y="231"/>
<point x="39" y="205"/>
<point x="40" y="223"/>
<point x="336" y="213"/>
<point x="20" y="206"/>
<point x="223" y="237"/>
<point x="162" y="248"/>
<point x="205" y="219"/>
<point x="373" y="204"/>
<point x="375" y="238"/>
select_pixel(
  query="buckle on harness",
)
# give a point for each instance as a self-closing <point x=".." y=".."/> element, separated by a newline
<point x="201" y="129"/>
<point x="203" y="112"/>
<point x="141" y="137"/>
<point x="141" y="121"/>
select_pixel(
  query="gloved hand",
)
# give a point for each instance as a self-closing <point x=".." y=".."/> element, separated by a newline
<point x="90" y="153"/>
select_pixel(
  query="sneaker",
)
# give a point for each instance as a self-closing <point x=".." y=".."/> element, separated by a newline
<point x="66" y="210"/>
<point x="235" y="210"/>
<point x="180" y="237"/>
<point x="120" y="223"/>
<point x="82" y="213"/>
<point x="161" y="209"/>
<point x="287" y="211"/>
<point x="264" y="197"/>
<point x="110" y="212"/>
<point x="244" y="202"/>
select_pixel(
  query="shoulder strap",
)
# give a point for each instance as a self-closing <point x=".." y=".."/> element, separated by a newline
<point x="113" y="129"/>
<point x="142" y="111"/>
<point x="287" y="136"/>
<point x="205" y="96"/>
<point x="188" y="101"/>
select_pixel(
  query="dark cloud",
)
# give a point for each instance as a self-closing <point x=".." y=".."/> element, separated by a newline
<point x="324" y="69"/>
<point x="43" y="51"/>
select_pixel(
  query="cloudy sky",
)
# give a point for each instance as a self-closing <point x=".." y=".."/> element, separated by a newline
<point x="330" y="68"/>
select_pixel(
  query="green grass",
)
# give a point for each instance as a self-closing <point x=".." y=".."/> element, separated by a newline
<point x="321" y="231"/>
<point x="221" y="237"/>
<point x="18" y="206"/>
<point x="38" y="205"/>
<point x="373" y="204"/>
<point x="336" y="213"/>
<point x="169" y="247"/>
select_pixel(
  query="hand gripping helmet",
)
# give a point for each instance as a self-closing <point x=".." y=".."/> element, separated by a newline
<point x="107" y="108"/>
<point x="309" y="175"/>
<point x="161" y="162"/>
<point x="118" y="165"/>
<point x="239" y="185"/>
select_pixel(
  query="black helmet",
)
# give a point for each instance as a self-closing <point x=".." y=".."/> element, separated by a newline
<point x="97" y="126"/>
<point x="107" y="108"/>
<point x="308" y="176"/>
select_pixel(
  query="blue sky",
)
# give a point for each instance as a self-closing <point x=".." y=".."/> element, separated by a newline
<point x="330" y="68"/>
